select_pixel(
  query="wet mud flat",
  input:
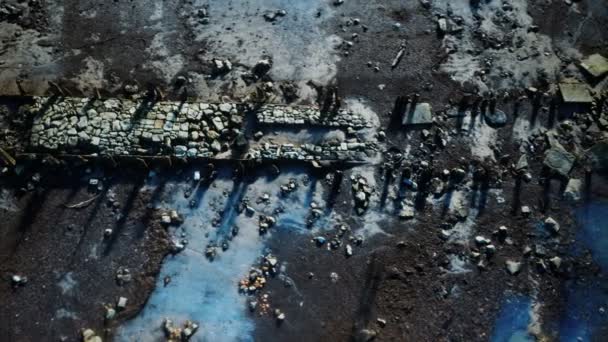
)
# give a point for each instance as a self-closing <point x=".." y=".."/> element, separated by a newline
<point x="400" y="283"/>
<point x="445" y="271"/>
<point x="408" y="283"/>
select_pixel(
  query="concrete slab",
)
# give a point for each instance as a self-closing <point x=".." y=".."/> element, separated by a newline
<point x="575" y="93"/>
<point x="596" y="65"/>
<point x="420" y="114"/>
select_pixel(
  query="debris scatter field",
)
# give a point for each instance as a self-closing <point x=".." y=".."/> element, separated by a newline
<point x="319" y="170"/>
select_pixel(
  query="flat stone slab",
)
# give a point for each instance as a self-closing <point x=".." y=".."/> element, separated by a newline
<point x="596" y="65"/>
<point x="419" y="114"/>
<point x="575" y="93"/>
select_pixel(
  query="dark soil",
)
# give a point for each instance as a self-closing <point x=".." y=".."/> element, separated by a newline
<point x="54" y="245"/>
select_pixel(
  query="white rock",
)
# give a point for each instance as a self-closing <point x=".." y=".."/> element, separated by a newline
<point x="513" y="266"/>
<point x="225" y="108"/>
<point x="573" y="190"/>
<point x="552" y="225"/>
<point x="122" y="303"/>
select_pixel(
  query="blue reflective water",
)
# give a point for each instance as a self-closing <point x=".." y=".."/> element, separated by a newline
<point x="582" y="317"/>
<point x="207" y="291"/>
<point x="513" y="320"/>
<point x="585" y="298"/>
<point x="593" y="219"/>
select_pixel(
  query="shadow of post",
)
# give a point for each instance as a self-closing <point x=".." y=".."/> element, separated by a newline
<point x="373" y="278"/>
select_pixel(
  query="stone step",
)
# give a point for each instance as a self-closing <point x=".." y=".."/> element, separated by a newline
<point x="310" y="116"/>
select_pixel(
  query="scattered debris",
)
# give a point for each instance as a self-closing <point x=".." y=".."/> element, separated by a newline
<point x="179" y="334"/>
<point x="123" y="276"/>
<point x="271" y="16"/>
<point x="122" y="303"/>
<point x="88" y="335"/>
<point x="559" y="160"/>
<point x="18" y="280"/>
<point x="365" y="335"/>
<point x="82" y="204"/>
<point x="258" y="276"/>
<point x="496" y="118"/>
<point x="362" y="192"/>
<point x="513" y="266"/>
<point x="398" y="57"/>
<point x="552" y="225"/>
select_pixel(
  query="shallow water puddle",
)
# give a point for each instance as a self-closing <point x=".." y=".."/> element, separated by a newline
<point x="513" y="320"/>
<point x="587" y="299"/>
<point x="207" y="291"/>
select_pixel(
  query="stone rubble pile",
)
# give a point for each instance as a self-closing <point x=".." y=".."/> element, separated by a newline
<point x="256" y="280"/>
<point x="299" y="116"/>
<point x="124" y="127"/>
<point x="352" y="151"/>
<point x="177" y="334"/>
<point x="362" y="193"/>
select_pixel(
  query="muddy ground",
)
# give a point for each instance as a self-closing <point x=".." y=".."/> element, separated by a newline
<point x="404" y="273"/>
<point x="70" y="265"/>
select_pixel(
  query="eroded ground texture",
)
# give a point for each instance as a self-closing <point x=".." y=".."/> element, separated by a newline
<point x="304" y="170"/>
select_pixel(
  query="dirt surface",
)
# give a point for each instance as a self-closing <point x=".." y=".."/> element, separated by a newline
<point x="70" y="266"/>
<point x="408" y="280"/>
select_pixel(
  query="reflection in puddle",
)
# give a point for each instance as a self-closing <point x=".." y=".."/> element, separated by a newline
<point x="207" y="291"/>
<point x="587" y="299"/>
<point x="513" y="320"/>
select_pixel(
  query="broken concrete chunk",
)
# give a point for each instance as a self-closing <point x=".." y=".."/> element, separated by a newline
<point x="552" y="225"/>
<point x="559" y="160"/>
<point x="556" y="262"/>
<point x="442" y="25"/>
<point x="573" y="190"/>
<point x="513" y="267"/>
<point x="122" y="303"/>
<point x="406" y="213"/>
<point x="522" y="163"/>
